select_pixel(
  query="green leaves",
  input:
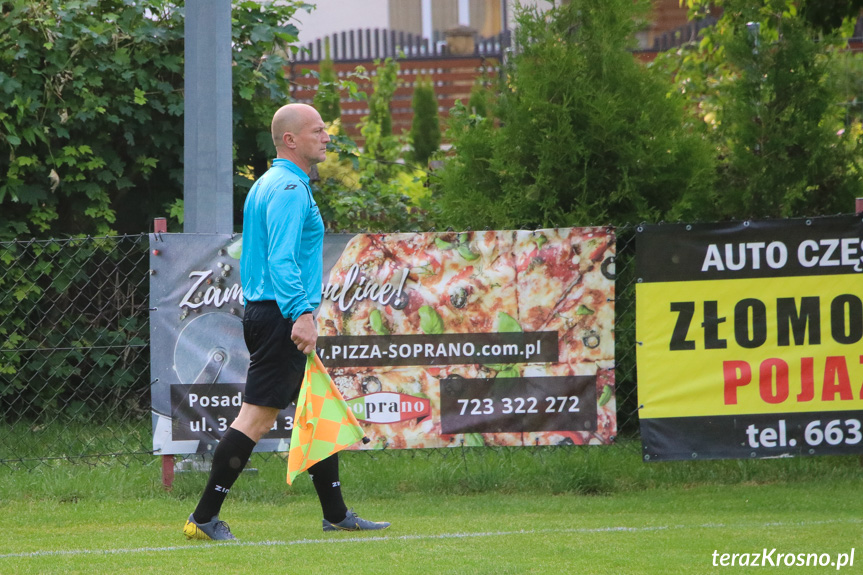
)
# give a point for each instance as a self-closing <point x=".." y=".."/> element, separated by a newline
<point x="94" y="73"/>
<point x="583" y="310"/>
<point x="507" y="324"/>
<point x="540" y="241"/>
<point x="465" y="252"/>
<point x="376" y="321"/>
<point x="461" y="245"/>
<point x="443" y="244"/>
<point x="425" y="128"/>
<point x="328" y="99"/>
<point x="473" y="440"/>
<point x="372" y="189"/>
<point x="431" y="322"/>
<point x="140" y="97"/>
<point x="764" y="81"/>
<point x="90" y="87"/>
<point x="509" y="372"/>
<point x="260" y="34"/>
<point x="46" y="303"/>
<point x="605" y="397"/>
<point x="91" y="142"/>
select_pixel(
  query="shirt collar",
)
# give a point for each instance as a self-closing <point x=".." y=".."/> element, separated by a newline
<point x="292" y="167"/>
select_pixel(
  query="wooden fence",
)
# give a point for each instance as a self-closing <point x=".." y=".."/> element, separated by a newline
<point x="453" y="78"/>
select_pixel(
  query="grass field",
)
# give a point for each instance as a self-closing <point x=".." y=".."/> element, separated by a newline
<point x="564" y="510"/>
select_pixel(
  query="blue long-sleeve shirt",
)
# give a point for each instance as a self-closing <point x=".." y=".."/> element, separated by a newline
<point x="283" y="238"/>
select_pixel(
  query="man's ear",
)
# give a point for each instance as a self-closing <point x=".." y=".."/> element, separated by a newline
<point x="288" y="140"/>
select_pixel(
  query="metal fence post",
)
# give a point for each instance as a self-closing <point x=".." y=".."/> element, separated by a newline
<point x="207" y="125"/>
<point x="160" y="226"/>
<point x="167" y="471"/>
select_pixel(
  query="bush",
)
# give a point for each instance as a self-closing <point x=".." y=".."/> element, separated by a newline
<point x="327" y="99"/>
<point x="781" y="123"/>
<point x="587" y="134"/>
<point x="91" y="138"/>
<point x="425" y="129"/>
<point x="479" y="99"/>
<point x="384" y="85"/>
<point x="765" y="82"/>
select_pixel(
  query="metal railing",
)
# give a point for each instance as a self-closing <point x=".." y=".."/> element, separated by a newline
<point x="373" y="43"/>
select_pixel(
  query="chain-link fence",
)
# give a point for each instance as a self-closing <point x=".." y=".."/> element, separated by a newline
<point x="74" y="357"/>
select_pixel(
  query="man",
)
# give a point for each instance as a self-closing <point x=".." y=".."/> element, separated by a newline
<point x="281" y="270"/>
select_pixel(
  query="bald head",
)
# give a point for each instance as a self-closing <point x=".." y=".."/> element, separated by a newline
<point x="300" y="135"/>
<point x="291" y="118"/>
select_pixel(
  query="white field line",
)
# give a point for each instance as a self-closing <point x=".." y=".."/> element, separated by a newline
<point x="341" y="540"/>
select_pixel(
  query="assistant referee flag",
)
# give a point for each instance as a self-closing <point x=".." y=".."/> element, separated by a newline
<point x="323" y="423"/>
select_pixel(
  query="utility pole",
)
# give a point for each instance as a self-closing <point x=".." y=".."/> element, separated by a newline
<point x="208" y="172"/>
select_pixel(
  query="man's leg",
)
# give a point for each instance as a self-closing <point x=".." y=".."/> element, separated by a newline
<point x="325" y="477"/>
<point x="231" y="456"/>
<point x="337" y="517"/>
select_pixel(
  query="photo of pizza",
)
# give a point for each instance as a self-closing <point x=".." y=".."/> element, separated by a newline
<point x="570" y="287"/>
<point x="475" y="338"/>
<point x="465" y="278"/>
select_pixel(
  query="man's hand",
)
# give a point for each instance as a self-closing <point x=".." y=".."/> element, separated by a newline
<point x="305" y="333"/>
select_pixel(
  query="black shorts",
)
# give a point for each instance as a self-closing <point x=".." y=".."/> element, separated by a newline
<point x="276" y="365"/>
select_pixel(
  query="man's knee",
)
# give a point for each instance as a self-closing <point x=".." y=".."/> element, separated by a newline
<point x="255" y="420"/>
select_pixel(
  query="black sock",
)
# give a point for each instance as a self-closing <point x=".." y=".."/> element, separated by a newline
<point x="229" y="459"/>
<point x="325" y="477"/>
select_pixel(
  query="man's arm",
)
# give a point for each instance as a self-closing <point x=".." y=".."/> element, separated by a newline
<point x="285" y="216"/>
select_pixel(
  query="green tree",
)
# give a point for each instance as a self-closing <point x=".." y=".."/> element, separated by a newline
<point x="91" y="129"/>
<point x="764" y="80"/>
<point x="384" y="85"/>
<point x="587" y="134"/>
<point x="327" y="98"/>
<point x="828" y="15"/>
<point x="847" y="69"/>
<point x="425" y="128"/>
<point x="479" y="98"/>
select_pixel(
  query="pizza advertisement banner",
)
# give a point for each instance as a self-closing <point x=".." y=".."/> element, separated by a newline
<point x="749" y="338"/>
<point x="474" y="338"/>
<point x="434" y="339"/>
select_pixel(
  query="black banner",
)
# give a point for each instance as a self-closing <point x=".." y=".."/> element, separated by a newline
<point x="202" y="411"/>
<point x="443" y="349"/>
<point x="751" y="249"/>
<point x="753" y="435"/>
<point x="518" y="404"/>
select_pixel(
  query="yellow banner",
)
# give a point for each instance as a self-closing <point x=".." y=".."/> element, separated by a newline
<point x="747" y="346"/>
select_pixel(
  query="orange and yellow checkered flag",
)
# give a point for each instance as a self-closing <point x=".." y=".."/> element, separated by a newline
<point x="323" y="423"/>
